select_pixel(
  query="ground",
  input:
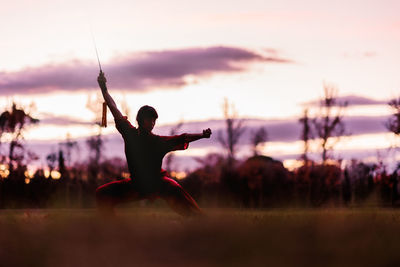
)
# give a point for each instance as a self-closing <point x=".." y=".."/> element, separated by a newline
<point x="145" y="236"/>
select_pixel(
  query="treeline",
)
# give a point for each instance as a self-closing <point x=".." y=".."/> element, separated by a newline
<point x="62" y="187"/>
<point x="261" y="182"/>
<point x="257" y="182"/>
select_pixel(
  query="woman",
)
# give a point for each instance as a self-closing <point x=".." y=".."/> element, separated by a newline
<point x="144" y="153"/>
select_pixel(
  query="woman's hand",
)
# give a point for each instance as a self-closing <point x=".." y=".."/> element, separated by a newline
<point x="207" y="133"/>
<point x="101" y="80"/>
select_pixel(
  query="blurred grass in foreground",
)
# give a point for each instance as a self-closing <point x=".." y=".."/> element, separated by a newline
<point x="225" y="237"/>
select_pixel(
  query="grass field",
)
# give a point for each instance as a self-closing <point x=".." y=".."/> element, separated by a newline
<point x="224" y="237"/>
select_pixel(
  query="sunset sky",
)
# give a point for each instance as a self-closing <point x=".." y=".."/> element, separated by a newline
<point x="269" y="58"/>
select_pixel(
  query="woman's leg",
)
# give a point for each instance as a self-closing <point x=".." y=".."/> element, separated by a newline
<point x="111" y="194"/>
<point x="178" y="199"/>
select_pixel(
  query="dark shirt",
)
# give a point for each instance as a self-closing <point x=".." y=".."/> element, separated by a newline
<point x="145" y="152"/>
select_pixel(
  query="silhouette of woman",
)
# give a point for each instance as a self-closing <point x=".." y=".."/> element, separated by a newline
<point x="144" y="153"/>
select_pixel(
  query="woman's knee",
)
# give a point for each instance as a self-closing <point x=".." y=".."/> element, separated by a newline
<point x="170" y="185"/>
<point x="104" y="193"/>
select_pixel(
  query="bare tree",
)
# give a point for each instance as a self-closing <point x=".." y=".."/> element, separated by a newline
<point x="328" y="124"/>
<point x="14" y="123"/>
<point x="125" y="107"/>
<point x="233" y="131"/>
<point x="69" y="145"/>
<point x="51" y="160"/>
<point x="94" y="104"/>
<point x="258" y="138"/>
<point x="393" y="123"/>
<point x="306" y="135"/>
<point x="95" y="143"/>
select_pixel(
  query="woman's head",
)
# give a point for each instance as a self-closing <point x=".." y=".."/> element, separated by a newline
<point x="146" y="117"/>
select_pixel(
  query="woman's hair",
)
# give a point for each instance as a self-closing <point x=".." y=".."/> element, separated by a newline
<point x="146" y="112"/>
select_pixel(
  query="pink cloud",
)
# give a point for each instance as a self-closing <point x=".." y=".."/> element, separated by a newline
<point x="136" y="71"/>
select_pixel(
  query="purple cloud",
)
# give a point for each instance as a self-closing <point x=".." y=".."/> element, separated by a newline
<point x="137" y="71"/>
<point x="278" y="130"/>
<point x="48" y="119"/>
<point x="352" y="100"/>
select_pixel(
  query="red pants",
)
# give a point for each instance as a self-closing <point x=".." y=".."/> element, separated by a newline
<point x="113" y="193"/>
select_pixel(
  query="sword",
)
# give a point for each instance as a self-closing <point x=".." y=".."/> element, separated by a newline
<point x="104" y="112"/>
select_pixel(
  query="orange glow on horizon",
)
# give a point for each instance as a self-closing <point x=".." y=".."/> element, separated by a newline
<point x="55" y="175"/>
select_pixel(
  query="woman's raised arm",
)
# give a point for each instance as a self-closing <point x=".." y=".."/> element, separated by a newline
<point x="107" y="97"/>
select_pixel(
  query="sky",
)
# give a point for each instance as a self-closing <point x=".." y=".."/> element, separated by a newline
<point x="269" y="58"/>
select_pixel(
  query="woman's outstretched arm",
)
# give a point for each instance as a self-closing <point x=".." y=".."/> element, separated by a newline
<point x="107" y="97"/>
<point x="193" y="137"/>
